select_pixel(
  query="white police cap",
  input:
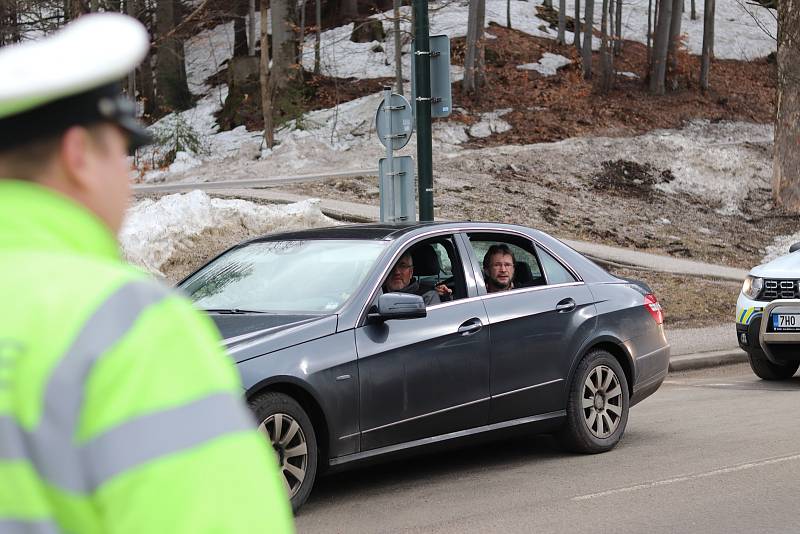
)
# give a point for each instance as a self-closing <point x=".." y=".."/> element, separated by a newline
<point x="71" y="78"/>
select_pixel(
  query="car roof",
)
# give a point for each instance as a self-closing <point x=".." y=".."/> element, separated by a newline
<point x="373" y="231"/>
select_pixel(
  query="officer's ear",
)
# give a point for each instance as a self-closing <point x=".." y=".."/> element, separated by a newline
<point x="76" y="158"/>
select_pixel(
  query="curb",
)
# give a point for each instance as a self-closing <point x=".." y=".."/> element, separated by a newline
<point x="704" y="360"/>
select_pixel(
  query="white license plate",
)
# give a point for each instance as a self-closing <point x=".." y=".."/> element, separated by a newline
<point x="785" y="321"/>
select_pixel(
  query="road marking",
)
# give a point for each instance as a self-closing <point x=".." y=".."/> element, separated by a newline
<point x="687" y="478"/>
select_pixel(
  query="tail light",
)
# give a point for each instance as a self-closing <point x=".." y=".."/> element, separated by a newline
<point x="652" y="305"/>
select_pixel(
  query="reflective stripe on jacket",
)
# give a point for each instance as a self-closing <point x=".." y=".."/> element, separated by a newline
<point x="119" y="411"/>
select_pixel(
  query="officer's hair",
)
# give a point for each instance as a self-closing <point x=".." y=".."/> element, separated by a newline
<point x="501" y="248"/>
<point x="27" y="161"/>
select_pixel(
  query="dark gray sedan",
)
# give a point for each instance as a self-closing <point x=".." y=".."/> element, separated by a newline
<point x="343" y="362"/>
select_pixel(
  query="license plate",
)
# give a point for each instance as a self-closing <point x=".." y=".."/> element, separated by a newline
<point x="785" y="321"/>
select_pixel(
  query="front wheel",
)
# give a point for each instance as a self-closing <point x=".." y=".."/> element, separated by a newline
<point x="288" y="428"/>
<point x="766" y="370"/>
<point x="597" y="405"/>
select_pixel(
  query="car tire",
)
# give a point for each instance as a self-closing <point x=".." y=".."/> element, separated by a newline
<point x="597" y="405"/>
<point x="288" y="428"/>
<point x="767" y="370"/>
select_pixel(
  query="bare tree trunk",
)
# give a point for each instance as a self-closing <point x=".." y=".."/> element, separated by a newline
<point x="9" y="22"/>
<point x="349" y="10"/>
<point x="576" y="39"/>
<point x="606" y="69"/>
<point x="173" y="90"/>
<point x="251" y="28"/>
<point x="547" y="3"/>
<point x="694" y="10"/>
<point x="470" y="57"/>
<point x="586" y="57"/>
<point x="76" y="9"/>
<point x="562" y="22"/>
<point x="675" y="33"/>
<point x="93" y="6"/>
<point x="318" y="37"/>
<point x="480" y="70"/>
<point x="284" y="43"/>
<point x="649" y="31"/>
<point x="398" y="52"/>
<point x="266" y="93"/>
<point x="508" y="14"/>
<point x="302" y="37"/>
<point x="240" y="28"/>
<point x="658" y="66"/>
<point x="786" y="171"/>
<point x="618" y="22"/>
<point x="708" y="38"/>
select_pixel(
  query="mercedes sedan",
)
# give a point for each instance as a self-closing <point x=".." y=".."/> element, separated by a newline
<point x="368" y="341"/>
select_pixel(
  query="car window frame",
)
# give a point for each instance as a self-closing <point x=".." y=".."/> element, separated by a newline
<point x="469" y="277"/>
<point x="477" y="266"/>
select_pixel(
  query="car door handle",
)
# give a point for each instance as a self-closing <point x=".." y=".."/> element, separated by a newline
<point x="565" y="306"/>
<point x="470" y="327"/>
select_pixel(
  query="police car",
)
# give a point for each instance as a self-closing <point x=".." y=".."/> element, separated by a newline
<point x="768" y="317"/>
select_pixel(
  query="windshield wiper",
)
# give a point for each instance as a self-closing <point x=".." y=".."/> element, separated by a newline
<point x="232" y="311"/>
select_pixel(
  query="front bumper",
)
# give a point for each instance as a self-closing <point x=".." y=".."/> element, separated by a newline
<point x="748" y="322"/>
<point x="779" y="346"/>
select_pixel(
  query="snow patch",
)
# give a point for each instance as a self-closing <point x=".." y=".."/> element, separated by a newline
<point x="157" y="232"/>
<point x="490" y="123"/>
<point x="780" y="247"/>
<point x="548" y="65"/>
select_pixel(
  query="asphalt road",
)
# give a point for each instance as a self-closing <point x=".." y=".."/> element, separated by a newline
<point x="712" y="451"/>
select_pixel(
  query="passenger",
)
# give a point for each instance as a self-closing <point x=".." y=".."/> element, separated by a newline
<point x="399" y="281"/>
<point x="498" y="268"/>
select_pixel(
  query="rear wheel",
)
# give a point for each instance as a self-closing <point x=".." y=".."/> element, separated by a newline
<point x="288" y="428"/>
<point x="597" y="405"/>
<point x="767" y="370"/>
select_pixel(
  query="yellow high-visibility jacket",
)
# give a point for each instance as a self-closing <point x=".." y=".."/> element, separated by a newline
<point x="119" y="411"/>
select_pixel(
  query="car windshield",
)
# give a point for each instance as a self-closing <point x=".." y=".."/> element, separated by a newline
<point x="315" y="276"/>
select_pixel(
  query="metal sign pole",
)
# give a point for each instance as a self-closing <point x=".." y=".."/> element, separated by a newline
<point x="422" y="67"/>
<point x="389" y="188"/>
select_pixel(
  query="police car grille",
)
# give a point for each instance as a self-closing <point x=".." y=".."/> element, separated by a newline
<point x="779" y="289"/>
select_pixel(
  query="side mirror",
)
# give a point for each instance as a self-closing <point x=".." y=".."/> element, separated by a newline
<point x="398" y="306"/>
<point x="794" y="247"/>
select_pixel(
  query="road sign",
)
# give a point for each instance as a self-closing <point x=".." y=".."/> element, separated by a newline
<point x="394" y="123"/>
<point x="397" y="189"/>
<point x="441" y="94"/>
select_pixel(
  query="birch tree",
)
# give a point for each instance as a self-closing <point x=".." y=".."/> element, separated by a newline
<point x="284" y="43"/>
<point x="786" y="168"/>
<point x="266" y="93"/>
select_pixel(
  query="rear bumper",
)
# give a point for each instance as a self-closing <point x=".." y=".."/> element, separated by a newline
<point x="657" y="360"/>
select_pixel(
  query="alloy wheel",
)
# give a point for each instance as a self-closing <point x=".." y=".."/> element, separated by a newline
<point x="289" y="442"/>
<point x="602" y="401"/>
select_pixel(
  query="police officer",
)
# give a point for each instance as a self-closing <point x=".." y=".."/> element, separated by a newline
<point x="119" y="412"/>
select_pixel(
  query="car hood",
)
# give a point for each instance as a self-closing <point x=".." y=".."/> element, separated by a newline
<point x="784" y="267"/>
<point x="249" y="335"/>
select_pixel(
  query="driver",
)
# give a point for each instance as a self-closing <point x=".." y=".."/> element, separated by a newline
<point x="399" y="281"/>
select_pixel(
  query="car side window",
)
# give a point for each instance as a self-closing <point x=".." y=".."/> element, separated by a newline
<point x="433" y="270"/>
<point x="554" y="271"/>
<point x="506" y="262"/>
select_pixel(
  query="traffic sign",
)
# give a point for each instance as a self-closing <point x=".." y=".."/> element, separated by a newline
<point x="397" y="189"/>
<point x="441" y="94"/>
<point x="395" y="123"/>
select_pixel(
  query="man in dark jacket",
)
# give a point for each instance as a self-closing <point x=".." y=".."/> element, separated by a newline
<point x="399" y="281"/>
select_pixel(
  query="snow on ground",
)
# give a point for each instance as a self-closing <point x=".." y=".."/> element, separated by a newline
<point x="548" y="65"/>
<point x="157" y="233"/>
<point x="780" y="247"/>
